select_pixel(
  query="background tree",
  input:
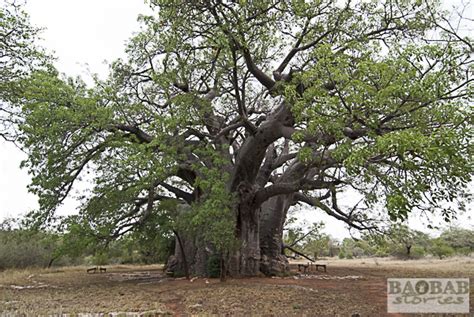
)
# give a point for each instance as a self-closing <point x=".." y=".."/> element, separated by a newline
<point x="317" y="245"/>
<point x="242" y="109"/>
<point x="310" y="242"/>
<point x="461" y="240"/>
<point x="22" y="247"/>
<point x="440" y="248"/>
<point x="408" y="240"/>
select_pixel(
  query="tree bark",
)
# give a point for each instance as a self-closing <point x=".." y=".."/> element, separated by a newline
<point x="190" y="255"/>
<point x="183" y="254"/>
<point x="259" y="231"/>
<point x="247" y="258"/>
<point x="272" y="219"/>
<point x="50" y="263"/>
<point x="245" y="261"/>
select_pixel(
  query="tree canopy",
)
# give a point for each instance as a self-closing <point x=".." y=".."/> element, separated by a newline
<point x="19" y="56"/>
<point x="225" y="109"/>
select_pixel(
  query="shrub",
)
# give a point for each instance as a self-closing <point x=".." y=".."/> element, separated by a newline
<point x="464" y="251"/>
<point x="342" y="254"/>
<point x="101" y="258"/>
<point x="381" y="253"/>
<point x="213" y="266"/>
<point x="441" y="249"/>
<point x="417" y="252"/>
<point x="21" y="249"/>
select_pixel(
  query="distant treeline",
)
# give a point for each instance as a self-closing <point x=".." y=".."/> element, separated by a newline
<point x="22" y="247"/>
<point x="399" y="241"/>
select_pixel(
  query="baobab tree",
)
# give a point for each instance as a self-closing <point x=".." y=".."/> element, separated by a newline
<point x="227" y="113"/>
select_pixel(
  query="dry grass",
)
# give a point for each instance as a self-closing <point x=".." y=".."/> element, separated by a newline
<point x="144" y="289"/>
<point x="450" y="267"/>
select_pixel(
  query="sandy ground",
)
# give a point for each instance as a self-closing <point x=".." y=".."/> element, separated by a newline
<point x="348" y="287"/>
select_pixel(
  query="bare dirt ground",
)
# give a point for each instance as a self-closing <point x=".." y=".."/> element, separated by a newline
<point x="348" y="287"/>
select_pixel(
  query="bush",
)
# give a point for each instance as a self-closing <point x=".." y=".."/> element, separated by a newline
<point x="342" y="254"/>
<point x="101" y="258"/>
<point x="213" y="266"/>
<point x="441" y="249"/>
<point x="466" y="251"/>
<point x="417" y="252"/>
<point x="22" y="249"/>
<point x="382" y="253"/>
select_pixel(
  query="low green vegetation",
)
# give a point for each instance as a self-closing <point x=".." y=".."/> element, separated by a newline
<point x="399" y="241"/>
<point x="22" y="247"/>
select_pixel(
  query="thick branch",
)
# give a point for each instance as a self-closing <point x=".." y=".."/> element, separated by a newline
<point x="263" y="78"/>
<point x="189" y="198"/>
<point x="340" y="216"/>
<point x="141" y="135"/>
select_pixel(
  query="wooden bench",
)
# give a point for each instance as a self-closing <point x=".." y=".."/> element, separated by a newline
<point x="323" y="266"/>
<point x="304" y="266"/>
<point x="309" y="267"/>
<point x="97" y="268"/>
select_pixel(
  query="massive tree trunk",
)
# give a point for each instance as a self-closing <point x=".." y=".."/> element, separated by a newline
<point x="246" y="261"/>
<point x="272" y="219"/>
<point x="196" y="256"/>
<point x="259" y="232"/>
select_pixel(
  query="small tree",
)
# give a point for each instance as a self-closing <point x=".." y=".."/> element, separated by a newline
<point x="402" y="240"/>
<point x="310" y="241"/>
<point x="317" y="245"/>
<point x="441" y="249"/>
<point x="461" y="240"/>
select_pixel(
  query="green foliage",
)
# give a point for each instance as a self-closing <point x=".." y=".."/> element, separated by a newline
<point x="217" y="205"/>
<point x="153" y="243"/>
<point x="350" y="248"/>
<point x="382" y="253"/>
<point x="78" y="238"/>
<point x="213" y="266"/>
<point x="417" y="252"/>
<point x="342" y="254"/>
<point x="100" y="258"/>
<point x="19" y="56"/>
<point x="21" y="248"/>
<point x="311" y="241"/>
<point x="188" y="118"/>
<point x="399" y="241"/>
<point x="451" y="241"/>
<point x="461" y="240"/>
<point x="441" y="249"/>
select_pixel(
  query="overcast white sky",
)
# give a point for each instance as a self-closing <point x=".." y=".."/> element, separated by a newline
<point x="83" y="35"/>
